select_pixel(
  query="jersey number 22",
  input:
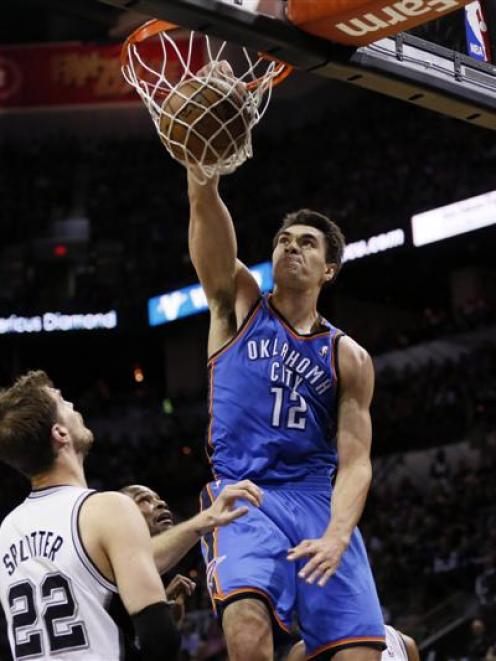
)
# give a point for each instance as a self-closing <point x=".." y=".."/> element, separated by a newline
<point x="58" y="617"/>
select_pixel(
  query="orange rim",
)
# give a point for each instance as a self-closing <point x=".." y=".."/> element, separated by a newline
<point x="154" y="26"/>
<point x="149" y="29"/>
<point x="276" y="80"/>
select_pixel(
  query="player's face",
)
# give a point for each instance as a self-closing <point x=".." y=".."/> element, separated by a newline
<point x="156" y="512"/>
<point x="299" y="258"/>
<point x="81" y="436"/>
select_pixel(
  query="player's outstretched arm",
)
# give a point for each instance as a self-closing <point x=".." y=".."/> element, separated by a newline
<point x="229" y="287"/>
<point x="170" y="546"/>
<point x="115" y="533"/>
<point x="355" y="469"/>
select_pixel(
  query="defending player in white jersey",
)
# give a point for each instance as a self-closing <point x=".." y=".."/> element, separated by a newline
<point x="66" y="549"/>
<point x="399" y="648"/>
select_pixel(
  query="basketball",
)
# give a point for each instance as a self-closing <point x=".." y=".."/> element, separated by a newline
<point x="205" y="120"/>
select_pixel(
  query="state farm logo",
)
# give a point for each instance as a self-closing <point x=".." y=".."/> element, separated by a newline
<point x="10" y="79"/>
<point x="395" y="14"/>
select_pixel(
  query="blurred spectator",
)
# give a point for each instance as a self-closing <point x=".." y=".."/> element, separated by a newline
<point x="212" y="646"/>
<point x="485" y="584"/>
<point x="440" y="469"/>
<point x="491" y="654"/>
<point x="479" y="642"/>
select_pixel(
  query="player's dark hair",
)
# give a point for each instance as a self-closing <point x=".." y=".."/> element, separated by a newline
<point x="335" y="240"/>
<point x="130" y="490"/>
<point x="27" y="415"/>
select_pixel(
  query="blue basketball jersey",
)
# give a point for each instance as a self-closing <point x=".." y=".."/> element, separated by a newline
<point x="273" y="402"/>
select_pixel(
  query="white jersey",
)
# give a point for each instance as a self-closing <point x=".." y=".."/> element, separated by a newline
<point x="396" y="649"/>
<point x="54" y="597"/>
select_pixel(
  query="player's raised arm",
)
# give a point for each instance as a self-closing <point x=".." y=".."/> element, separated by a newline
<point x="230" y="288"/>
<point x="212" y="240"/>
<point x="116" y="535"/>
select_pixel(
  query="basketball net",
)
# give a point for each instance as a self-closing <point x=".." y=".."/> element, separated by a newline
<point x="157" y="74"/>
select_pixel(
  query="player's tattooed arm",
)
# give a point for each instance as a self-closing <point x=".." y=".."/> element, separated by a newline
<point x="355" y="470"/>
<point x="170" y="546"/>
<point x="229" y="287"/>
<point x="212" y="241"/>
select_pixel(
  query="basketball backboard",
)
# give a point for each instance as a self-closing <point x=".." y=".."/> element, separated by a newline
<point x="402" y="66"/>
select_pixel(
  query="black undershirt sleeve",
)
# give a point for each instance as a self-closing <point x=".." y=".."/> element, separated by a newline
<point x="157" y="635"/>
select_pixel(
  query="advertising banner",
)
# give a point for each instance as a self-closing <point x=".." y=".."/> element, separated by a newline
<point x="75" y="74"/>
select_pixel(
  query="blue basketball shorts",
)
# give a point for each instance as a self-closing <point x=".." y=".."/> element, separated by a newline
<point x="247" y="558"/>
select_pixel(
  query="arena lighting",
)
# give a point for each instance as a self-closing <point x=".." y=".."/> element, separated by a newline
<point x="139" y="377"/>
<point x="191" y="300"/>
<point x="56" y="321"/>
<point x="453" y="219"/>
<point x="60" y="250"/>
<point x="373" y="245"/>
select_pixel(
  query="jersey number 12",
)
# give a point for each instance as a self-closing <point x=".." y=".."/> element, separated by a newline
<point x="296" y="414"/>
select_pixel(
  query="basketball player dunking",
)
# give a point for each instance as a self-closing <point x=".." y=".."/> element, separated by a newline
<point x="284" y="403"/>
<point x="66" y="549"/>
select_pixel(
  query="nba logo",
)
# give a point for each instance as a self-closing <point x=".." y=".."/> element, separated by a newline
<point x="324" y="351"/>
<point x="211" y="568"/>
<point x="476" y="32"/>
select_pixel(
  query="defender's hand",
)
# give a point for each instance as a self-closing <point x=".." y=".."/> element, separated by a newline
<point x="325" y="555"/>
<point x="223" y="510"/>
<point x="180" y="586"/>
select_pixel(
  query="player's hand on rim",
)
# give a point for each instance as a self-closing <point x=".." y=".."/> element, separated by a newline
<point x="325" y="555"/>
<point x="224" y="510"/>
